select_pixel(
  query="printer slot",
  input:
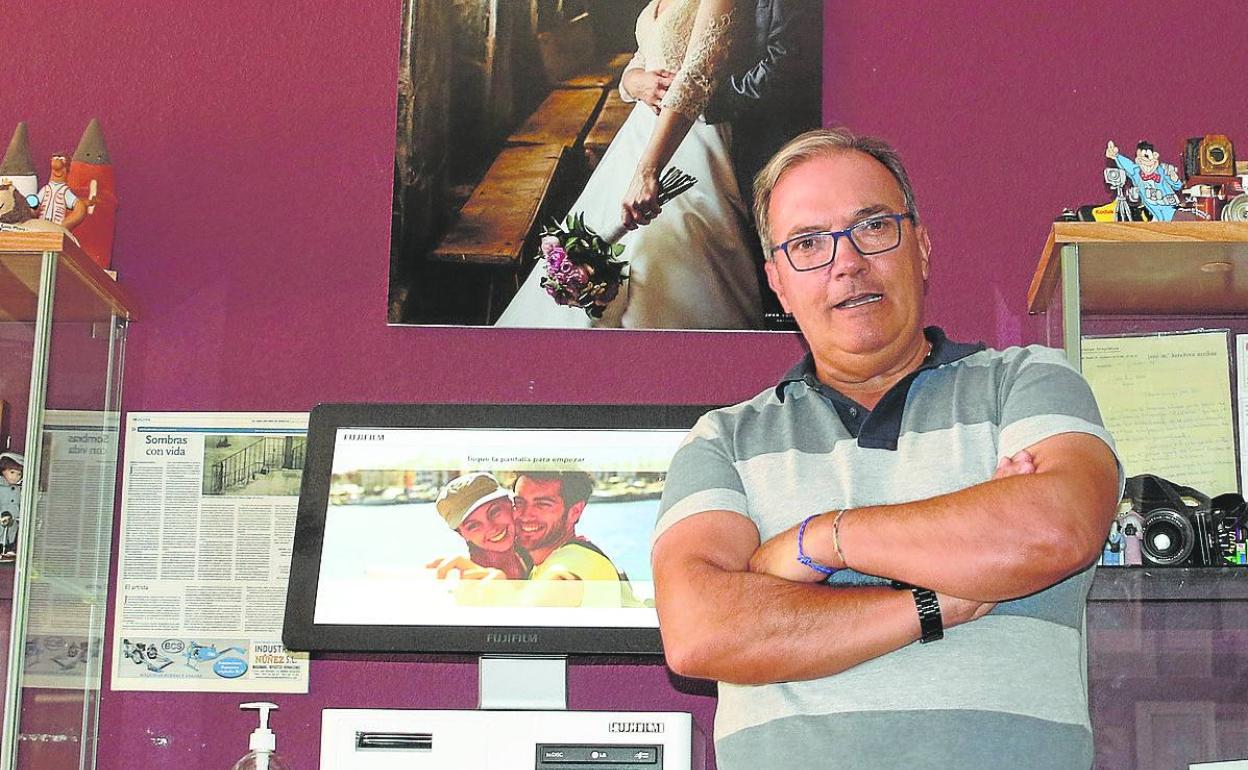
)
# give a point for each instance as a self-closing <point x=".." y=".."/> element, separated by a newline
<point x="378" y="741"/>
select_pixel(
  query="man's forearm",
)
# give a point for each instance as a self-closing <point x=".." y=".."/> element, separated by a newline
<point x="998" y="540"/>
<point x="747" y="628"/>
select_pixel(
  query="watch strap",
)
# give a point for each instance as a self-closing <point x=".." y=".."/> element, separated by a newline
<point x="931" y="624"/>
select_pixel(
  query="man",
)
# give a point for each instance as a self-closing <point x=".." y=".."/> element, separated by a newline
<point x="873" y="459"/>
<point x="777" y="94"/>
<point x="774" y="97"/>
<point x="548" y="506"/>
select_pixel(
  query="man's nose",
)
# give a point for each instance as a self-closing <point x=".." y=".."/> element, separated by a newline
<point x="849" y="261"/>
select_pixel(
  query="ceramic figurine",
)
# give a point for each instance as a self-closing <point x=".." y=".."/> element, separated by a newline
<point x="91" y="177"/>
<point x="11" y="469"/>
<point x="58" y="203"/>
<point x="18" y="167"/>
<point x="16" y="214"/>
<point x="1157" y="183"/>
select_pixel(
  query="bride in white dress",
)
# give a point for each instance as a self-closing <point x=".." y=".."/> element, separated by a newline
<point x="693" y="267"/>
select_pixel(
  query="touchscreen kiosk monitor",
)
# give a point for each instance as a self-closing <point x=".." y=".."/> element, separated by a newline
<point x="480" y="528"/>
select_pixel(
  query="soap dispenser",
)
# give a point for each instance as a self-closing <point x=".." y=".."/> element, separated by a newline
<point x="262" y="744"/>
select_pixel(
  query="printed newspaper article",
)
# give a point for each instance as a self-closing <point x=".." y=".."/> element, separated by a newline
<point x="207" y="522"/>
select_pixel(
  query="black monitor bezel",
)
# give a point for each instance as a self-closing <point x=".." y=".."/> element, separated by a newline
<point x="300" y="632"/>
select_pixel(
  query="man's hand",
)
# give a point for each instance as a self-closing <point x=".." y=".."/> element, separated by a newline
<point x="1111" y="151"/>
<point x="778" y="557"/>
<point x="955" y="611"/>
<point x="1018" y="465"/>
<point x="648" y="86"/>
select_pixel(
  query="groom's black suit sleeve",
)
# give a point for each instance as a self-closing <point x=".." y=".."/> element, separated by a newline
<point x="784" y="66"/>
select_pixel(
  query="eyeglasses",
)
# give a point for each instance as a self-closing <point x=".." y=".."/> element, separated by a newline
<point x="871" y="236"/>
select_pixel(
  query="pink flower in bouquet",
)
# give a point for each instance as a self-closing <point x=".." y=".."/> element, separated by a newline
<point x="549" y="244"/>
<point x="557" y="260"/>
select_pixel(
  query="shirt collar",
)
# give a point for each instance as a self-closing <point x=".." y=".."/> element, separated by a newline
<point x="944" y="351"/>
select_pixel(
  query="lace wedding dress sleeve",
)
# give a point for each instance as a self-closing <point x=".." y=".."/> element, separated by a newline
<point x="709" y="50"/>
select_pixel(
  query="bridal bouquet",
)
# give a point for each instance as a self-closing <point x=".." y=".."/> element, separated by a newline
<point x="583" y="268"/>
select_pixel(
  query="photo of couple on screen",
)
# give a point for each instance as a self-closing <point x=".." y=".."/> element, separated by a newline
<point x="528" y="531"/>
<point x="437" y="527"/>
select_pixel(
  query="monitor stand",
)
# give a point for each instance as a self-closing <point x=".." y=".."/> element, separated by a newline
<point x="523" y="682"/>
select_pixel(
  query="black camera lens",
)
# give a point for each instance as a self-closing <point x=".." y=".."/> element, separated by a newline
<point x="1168" y="537"/>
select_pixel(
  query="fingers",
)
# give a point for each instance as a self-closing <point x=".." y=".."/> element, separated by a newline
<point x="1018" y="465"/>
<point x="638" y="213"/>
<point x="435" y="563"/>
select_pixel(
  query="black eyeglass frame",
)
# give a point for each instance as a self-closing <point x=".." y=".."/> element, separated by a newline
<point x="846" y="233"/>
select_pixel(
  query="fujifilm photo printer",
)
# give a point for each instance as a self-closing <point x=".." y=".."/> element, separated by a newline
<point x="391" y="739"/>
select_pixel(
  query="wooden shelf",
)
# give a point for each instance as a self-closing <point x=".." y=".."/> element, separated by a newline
<point x="84" y="290"/>
<point x="1169" y="584"/>
<point x="1149" y="268"/>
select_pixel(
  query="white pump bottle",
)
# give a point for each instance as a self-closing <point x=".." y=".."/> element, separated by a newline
<point x="262" y="744"/>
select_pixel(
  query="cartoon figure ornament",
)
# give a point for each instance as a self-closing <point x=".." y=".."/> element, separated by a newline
<point x="1157" y="183"/>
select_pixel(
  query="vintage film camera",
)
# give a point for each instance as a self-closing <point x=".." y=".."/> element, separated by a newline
<point x="1215" y="189"/>
<point x="1209" y="155"/>
<point x="1178" y="526"/>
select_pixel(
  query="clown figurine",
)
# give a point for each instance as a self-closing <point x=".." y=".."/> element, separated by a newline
<point x="1158" y="183"/>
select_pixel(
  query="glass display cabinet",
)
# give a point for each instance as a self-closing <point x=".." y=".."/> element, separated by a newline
<point x="1167" y="646"/>
<point x="62" y="330"/>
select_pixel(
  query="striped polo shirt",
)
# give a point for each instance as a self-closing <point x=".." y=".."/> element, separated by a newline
<point x="1007" y="690"/>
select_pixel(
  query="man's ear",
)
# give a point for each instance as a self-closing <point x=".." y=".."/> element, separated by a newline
<point x="773" y="280"/>
<point x="574" y="513"/>
<point x="925" y="250"/>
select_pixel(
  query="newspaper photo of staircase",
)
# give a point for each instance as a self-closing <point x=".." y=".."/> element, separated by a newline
<point x="253" y="465"/>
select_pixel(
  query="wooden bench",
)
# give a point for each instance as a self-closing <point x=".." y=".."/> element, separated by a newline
<point x="496" y="222"/>
<point x="562" y="119"/>
<point x="604" y="74"/>
<point x="610" y="118"/>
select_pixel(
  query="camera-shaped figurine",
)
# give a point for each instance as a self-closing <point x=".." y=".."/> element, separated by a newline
<point x="1179" y="526"/>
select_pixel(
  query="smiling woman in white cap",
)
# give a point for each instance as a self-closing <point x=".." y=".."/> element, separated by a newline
<point x="480" y="509"/>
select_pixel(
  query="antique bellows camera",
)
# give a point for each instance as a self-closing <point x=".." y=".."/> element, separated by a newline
<point x="1183" y="527"/>
<point x="1209" y="155"/>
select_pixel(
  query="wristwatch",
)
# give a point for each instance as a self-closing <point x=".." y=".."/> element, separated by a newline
<point x="931" y="627"/>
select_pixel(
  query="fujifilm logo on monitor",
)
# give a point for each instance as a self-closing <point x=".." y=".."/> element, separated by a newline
<point x="363" y="436"/>
<point x="635" y="727"/>
<point x="513" y="638"/>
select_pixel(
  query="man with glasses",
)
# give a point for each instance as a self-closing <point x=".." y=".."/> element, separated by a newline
<point x="895" y="487"/>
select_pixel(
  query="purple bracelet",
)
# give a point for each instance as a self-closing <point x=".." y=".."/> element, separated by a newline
<point x="802" y="558"/>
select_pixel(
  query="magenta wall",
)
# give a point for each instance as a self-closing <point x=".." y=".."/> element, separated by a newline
<point x="254" y="148"/>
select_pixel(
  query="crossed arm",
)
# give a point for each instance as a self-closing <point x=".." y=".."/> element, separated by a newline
<point x="730" y="613"/>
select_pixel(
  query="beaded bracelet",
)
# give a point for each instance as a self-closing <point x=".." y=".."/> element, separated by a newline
<point x="802" y="558"/>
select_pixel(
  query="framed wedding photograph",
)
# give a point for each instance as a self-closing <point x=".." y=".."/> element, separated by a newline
<point x="526" y="193"/>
